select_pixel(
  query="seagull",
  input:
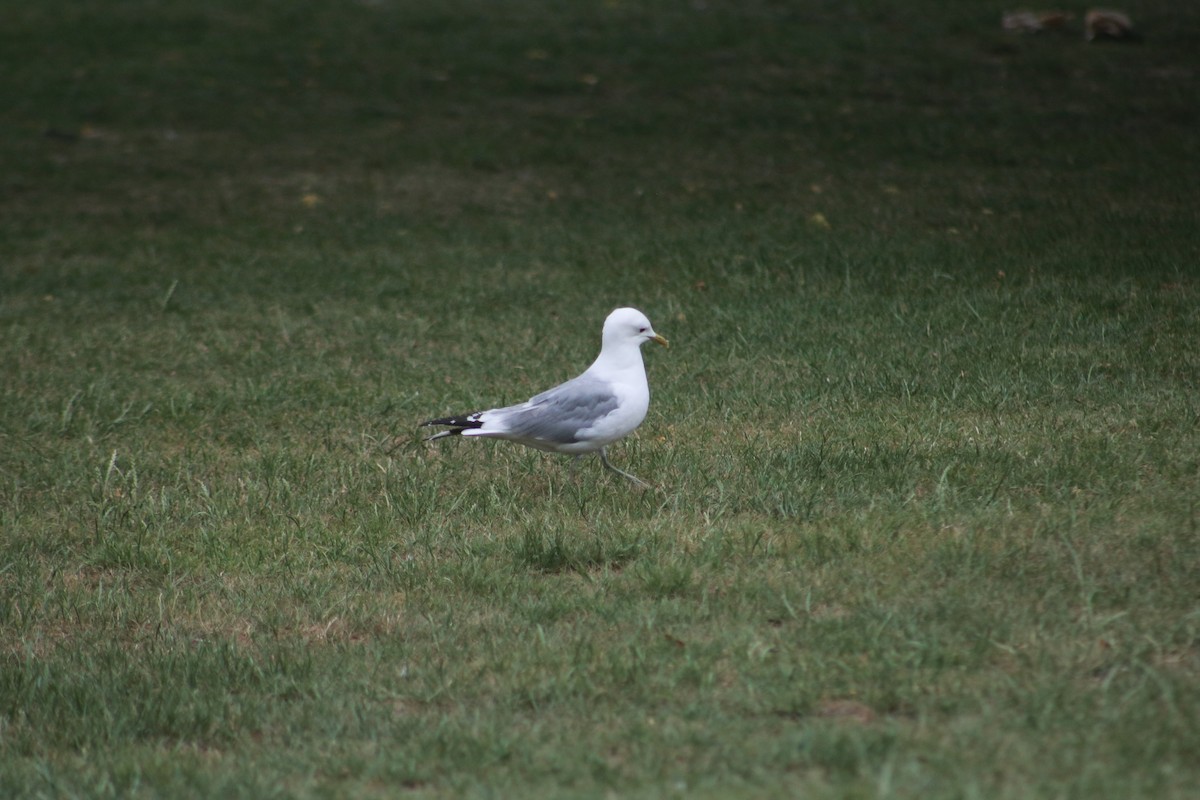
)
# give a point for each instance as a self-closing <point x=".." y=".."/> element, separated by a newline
<point x="587" y="413"/>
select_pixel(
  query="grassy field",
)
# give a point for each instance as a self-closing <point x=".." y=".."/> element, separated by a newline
<point x="925" y="448"/>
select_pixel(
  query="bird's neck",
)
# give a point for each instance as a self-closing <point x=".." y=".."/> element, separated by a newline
<point x="618" y="359"/>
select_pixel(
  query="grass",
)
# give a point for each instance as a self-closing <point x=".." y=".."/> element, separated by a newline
<point x="926" y="443"/>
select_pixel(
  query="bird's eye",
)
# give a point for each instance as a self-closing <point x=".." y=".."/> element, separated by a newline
<point x="641" y="330"/>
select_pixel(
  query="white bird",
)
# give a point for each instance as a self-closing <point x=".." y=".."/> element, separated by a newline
<point x="584" y="415"/>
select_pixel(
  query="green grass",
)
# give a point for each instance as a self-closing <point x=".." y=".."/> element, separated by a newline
<point x="925" y="523"/>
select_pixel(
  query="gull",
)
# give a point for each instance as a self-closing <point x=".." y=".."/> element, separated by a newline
<point x="587" y="413"/>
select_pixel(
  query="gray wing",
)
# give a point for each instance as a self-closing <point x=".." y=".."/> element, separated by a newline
<point x="558" y="414"/>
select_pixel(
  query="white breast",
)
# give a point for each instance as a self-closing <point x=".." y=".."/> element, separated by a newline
<point x="633" y="400"/>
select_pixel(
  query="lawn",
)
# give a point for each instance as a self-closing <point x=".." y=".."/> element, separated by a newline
<point x="925" y="450"/>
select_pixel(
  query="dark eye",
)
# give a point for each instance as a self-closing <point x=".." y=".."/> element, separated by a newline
<point x="641" y="330"/>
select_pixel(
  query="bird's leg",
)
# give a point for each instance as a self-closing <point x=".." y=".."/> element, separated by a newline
<point x="573" y="470"/>
<point x="622" y="473"/>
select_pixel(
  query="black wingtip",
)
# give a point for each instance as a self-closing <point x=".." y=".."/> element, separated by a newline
<point x="461" y="421"/>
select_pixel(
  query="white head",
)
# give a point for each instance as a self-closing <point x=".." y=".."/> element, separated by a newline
<point x="629" y="326"/>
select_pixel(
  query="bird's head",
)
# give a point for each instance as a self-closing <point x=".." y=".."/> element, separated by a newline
<point x="628" y="325"/>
